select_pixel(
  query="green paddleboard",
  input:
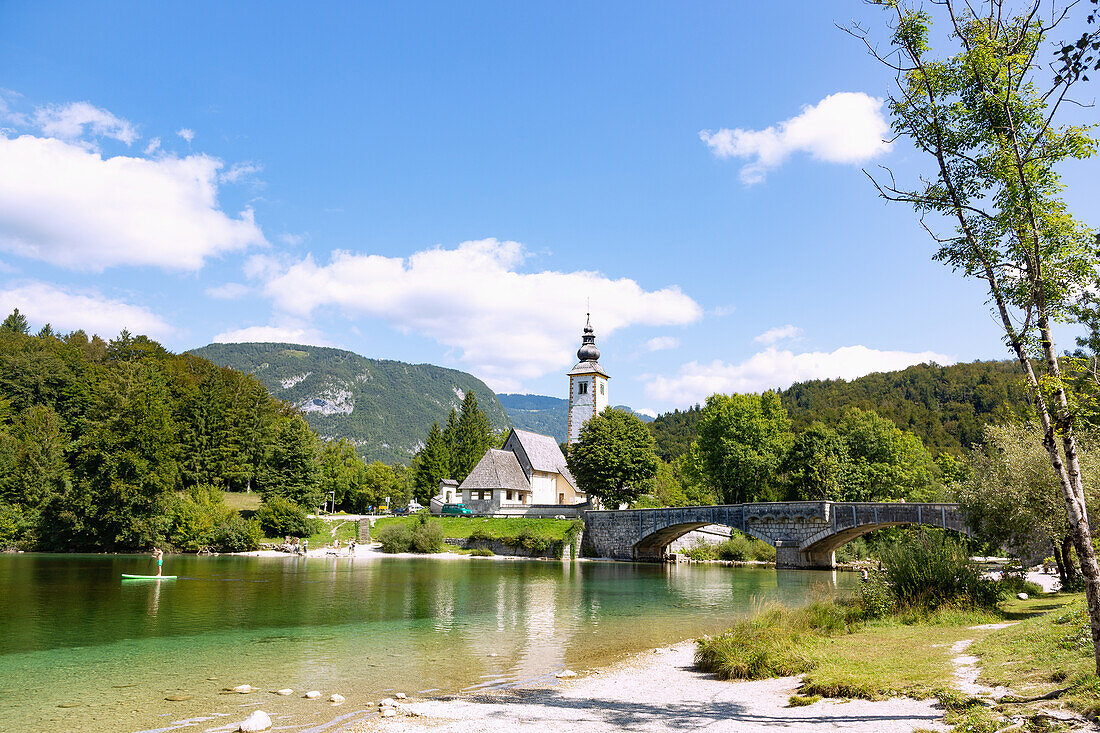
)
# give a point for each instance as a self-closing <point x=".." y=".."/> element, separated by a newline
<point x="127" y="576"/>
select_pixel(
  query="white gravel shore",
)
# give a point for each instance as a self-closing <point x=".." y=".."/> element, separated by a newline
<point x="656" y="692"/>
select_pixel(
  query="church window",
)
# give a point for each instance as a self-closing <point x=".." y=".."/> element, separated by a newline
<point x="602" y="388"/>
<point x="582" y="388"/>
<point x="509" y="496"/>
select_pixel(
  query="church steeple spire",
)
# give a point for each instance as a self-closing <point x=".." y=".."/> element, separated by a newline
<point x="588" y="350"/>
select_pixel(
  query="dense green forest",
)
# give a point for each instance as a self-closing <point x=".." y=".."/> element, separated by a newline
<point x="381" y="407"/>
<point x="121" y="445"/>
<point x="946" y="407"/>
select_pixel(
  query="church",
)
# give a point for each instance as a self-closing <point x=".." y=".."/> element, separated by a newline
<point x="529" y="475"/>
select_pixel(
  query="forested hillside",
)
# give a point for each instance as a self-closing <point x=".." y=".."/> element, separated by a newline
<point x="946" y="407"/>
<point x="382" y="407"/>
<point x="98" y="439"/>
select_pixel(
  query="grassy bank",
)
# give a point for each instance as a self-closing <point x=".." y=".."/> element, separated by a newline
<point x="738" y="548"/>
<point x="497" y="527"/>
<point x="330" y="529"/>
<point x="1050" y="652"/>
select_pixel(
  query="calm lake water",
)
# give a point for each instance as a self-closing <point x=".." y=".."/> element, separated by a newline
<point x="80" y="649"/>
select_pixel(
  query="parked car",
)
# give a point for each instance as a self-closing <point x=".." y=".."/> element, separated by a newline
<point x="456" y="510"/>
<point x="400" y="511"/>
<point x="414" y="506"/>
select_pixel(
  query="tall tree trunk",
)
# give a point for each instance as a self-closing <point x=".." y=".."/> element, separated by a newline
<point x="1073" y="487"/>
<point x="1060" y="563"/>
<point x="1067" y="558"/>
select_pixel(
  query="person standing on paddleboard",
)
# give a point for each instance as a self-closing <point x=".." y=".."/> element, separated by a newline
<point x="159" y="555"/>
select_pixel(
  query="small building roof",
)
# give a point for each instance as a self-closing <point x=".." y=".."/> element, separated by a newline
<point x="497" y="469"/>
<point x="543" y="453"/>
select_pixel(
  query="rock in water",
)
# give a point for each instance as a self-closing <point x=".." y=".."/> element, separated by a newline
<point x="243" y="689"/>
<point x="336" y="698"/>
<point x="285" y="691"/>
<point x="565" y="674"/>
<point x="1022" y="596"/>
<point x="388" y="712"/>
<point x="312" y="694"/>
<point x="259" y="720"/>
<point x="401" y="696"/>
<point x="179" y="698"/>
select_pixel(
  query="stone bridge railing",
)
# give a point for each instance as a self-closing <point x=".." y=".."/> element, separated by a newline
<point x="805" y="534"/>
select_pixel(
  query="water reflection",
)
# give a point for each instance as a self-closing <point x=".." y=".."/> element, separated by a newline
<point x="357" y="626"/>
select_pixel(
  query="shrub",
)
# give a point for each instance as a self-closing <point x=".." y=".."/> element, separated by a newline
<point x="1010" y="585"/>
<point x="396" y="538"/>
<point x="236" y="534"/>
<point x="874" y="596"/>
<point x="281" y="517"/>
<point x="195" y="516"/>
<point x="482" y="552"/>
<point x="427" y="537"/>
<point x="16" y="527"/>
<point x="927" y="572"/>
<point x="764" y="646"/>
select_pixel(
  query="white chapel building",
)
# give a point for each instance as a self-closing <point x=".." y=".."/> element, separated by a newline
<point x="529" y="474"/>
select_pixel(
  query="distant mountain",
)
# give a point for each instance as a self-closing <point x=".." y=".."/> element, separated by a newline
<point x="383" y="407"/>
<point x="546" y="415"/>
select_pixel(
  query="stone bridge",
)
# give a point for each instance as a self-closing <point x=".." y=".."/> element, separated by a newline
<point x="805" y="534"/>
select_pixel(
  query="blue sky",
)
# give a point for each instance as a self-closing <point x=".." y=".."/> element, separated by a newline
<point x="480" y="170"/>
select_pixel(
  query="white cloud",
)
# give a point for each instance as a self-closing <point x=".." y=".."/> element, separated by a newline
<point x="509" y="325"/>
<point x="241" y="172"/>
<point x="646" y="411"/>
<point x="71" y="122"/>
<point x="228" y="291"/>
<point x="660" y="343"/>
<point x="772" y="369"/>
<point x="779" y="333"/>
<point x="67" y="311"/>
<point x="722" y="311"/>
<point x="74" y="208"/>
<point x="290" y="334"/>
<point x="292" y="239"/>
<point x="846" y="127"/>
<point x="153" y="146"/>
<point x="186" y="133"/>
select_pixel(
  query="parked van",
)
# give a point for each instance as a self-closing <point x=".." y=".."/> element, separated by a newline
<point x="456" y="510"/>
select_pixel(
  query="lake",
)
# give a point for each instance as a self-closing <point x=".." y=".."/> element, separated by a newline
<point x="80" y="649"/>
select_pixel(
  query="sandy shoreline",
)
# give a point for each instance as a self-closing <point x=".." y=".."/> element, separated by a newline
<point x="656" y="690"/>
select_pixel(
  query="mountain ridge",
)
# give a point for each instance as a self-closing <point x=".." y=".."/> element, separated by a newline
<point x="383" y="407"/>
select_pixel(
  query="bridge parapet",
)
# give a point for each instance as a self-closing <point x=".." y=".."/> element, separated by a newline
<point x="804" y="533"/>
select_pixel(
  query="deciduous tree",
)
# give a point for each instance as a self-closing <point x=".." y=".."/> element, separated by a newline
<point x="989" y="122"/>
<point x="613" y="457"/>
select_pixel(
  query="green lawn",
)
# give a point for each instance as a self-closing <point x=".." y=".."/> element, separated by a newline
<point x="345" y="531"/>
<point x="462" y="527"/>
<point x="240" y="501"/>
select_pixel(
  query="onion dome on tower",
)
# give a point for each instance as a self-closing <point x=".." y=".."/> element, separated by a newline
<point x="588" y="350"/>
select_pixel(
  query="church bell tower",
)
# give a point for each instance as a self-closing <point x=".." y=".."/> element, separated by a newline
<point x="587" y="384"/>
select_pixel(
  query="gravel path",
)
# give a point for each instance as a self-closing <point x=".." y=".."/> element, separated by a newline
<point x="657" y="692"/>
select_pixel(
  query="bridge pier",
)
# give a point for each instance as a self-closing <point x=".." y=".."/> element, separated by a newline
<point x="788" y="556"/>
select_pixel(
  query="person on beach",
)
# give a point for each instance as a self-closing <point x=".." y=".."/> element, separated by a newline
<point x="351" y="548"/>
<point x="305" y="547"/>
<point x="159" y="555"/>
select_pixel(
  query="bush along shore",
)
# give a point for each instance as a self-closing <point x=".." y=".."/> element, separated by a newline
<point x="919" y="613"/>
<point x="423" y="534"/>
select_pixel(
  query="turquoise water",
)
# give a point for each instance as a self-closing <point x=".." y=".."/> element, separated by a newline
<point x="80" y="649"/>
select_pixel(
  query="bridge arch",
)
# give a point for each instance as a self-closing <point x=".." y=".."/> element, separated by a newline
<point x="655" y="545"/>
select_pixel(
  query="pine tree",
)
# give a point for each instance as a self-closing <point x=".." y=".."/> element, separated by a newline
<point x="473" y="436"/>
<point x="16" y="323"/>
<point x="432" y="465"/>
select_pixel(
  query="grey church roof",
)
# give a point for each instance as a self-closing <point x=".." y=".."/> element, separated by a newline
<point x="588" y="367"/>
<point x="543" y="453"/>
<point x="497" y="469"/>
